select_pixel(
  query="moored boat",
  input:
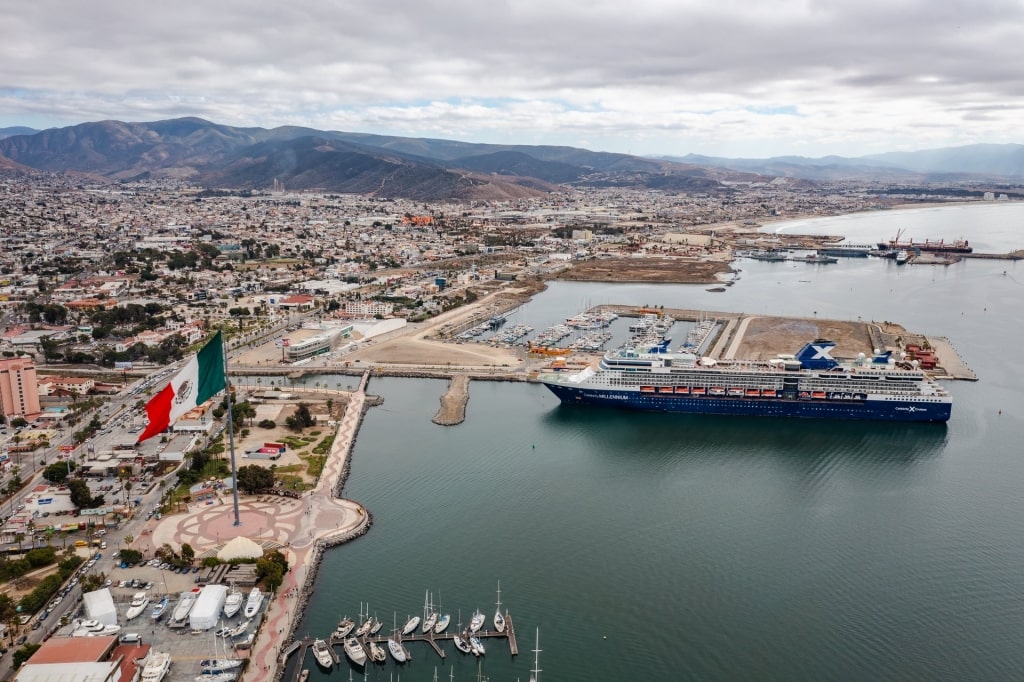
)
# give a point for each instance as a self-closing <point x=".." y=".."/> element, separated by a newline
<point x="396" y="650"/>
<point x="354" y="650"/>
<point x="322" y="653"/>
<point x="442" y="623"/>
<point x="345" y="626"/>
<point x="880" y="388"/>
<point x="477" y="622"/>
<point x="499" y="619"/>
<point x="411" y="625"/>
<point x="477" y="645"/>
<point x="377" y="653"/>
<point x="462" y="644"/>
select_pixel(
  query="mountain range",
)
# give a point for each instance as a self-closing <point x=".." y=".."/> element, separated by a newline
<point x="300" y="158"/>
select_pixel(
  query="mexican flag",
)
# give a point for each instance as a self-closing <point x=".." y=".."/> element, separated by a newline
<point x="198" y="381"/>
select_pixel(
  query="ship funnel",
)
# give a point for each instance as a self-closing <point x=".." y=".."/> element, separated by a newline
<point x="816" y="355"/>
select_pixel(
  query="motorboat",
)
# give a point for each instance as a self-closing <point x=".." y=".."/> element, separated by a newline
<point x="442" y="623"/>
<point x="229" y="676"/>
<point x="161" y="608"/>
<point x="396" y="650"/>
<point x="462" y="645"/>
<point x="157" y="665"/>
<point x="322" y="653"/>
<point x="377" y="652"/>
<point x="499" y="619"/>
<point x="411" y="625"/>
<point x="140" y="600"/>
<point x="252" y="604"/>
<point x="90" y="625"/>
<point x="181" y="611"/>
<point x="364" y="629"/>
<point x="233" y="603"/>
<point x="354" y="650"/>
<point x="238" y="629"/>
<point x="477" y="622"/>
<point x="477" y="645"/>
<point x="345" y="626"/>
<point x="109" y="630"/>
<point x="220" y="663"/>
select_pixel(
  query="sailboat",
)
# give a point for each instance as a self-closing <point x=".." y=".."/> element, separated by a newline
<point x="535" y="673"/>
<point x="477" y="622"/>
<point x="429" y="615"/>
<point x="499" y="620"/>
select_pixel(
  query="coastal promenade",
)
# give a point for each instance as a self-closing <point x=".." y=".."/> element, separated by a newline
<point x="300" y="528"/>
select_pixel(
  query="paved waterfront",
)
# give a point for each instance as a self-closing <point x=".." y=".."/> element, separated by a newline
<point x="302" y="528"/>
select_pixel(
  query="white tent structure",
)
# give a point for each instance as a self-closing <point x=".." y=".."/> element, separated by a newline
<point x="240" y="548"/>
<point x="206" y="612"/>
<point x="99" y="606"/>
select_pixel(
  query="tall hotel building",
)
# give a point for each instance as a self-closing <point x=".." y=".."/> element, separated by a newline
<point x="19" y="394"/>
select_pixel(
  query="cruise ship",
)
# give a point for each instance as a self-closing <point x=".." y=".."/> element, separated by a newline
<point x="809" y="384"/>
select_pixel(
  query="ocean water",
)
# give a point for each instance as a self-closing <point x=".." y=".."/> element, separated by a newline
<point x="666" y="547"/>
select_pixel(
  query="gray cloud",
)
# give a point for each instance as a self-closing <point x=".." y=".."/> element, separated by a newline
<point x="698" y="74"/>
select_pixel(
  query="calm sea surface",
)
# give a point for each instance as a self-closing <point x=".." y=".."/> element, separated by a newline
<point x="661" y="547"/>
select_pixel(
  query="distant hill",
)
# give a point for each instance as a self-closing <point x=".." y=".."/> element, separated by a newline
<point x="303" y="158"/>
<point x="974" y="162"/>
<point x="16" y="130"/>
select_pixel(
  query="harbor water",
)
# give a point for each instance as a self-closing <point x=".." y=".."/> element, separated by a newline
<point x="685" y="547"/>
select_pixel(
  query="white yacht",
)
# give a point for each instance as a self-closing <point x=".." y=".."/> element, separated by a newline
<point x="322" y="653"/>
<point x="396" y="650"/>
<point x="354" y="650"/>
<point x="181" y="611"/>
<point x="156" y="666"/>
<point x="411" y="625"/>
<point x="139" y="603"/>
<point x="252" y="604"/>
<point x="477" y="622"/>
<point x="233" y="603"/>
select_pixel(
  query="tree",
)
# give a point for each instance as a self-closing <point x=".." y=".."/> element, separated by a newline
<point x="57" y="472"/>
<point x="188" y="555"/>
<point x="271" y="569"/>
<point x="130" y="556"/>
<point x="81" y="497"/>
<point x="301" y="419"/>
<point x="253" y="478"/>
<point x="23" y="654"/>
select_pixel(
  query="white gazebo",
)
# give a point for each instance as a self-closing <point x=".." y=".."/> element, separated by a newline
<point x="240" y="548"/>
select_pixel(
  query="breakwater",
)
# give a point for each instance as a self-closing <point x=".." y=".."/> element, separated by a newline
<point x="453" y="402"/>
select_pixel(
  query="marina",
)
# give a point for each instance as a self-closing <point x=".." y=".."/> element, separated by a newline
<point x="324" y="649"/>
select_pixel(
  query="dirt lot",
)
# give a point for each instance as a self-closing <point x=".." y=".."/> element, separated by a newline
<point x="663" y="270"/>
<point x="766" y="337"/>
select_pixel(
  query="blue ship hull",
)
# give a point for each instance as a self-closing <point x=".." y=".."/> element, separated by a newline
<point x="889" y="410"/>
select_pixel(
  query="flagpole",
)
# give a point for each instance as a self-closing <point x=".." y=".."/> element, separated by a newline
<point x="231" y="431"/>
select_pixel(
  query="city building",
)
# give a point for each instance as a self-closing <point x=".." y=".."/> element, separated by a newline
<point x="19" y="393"/>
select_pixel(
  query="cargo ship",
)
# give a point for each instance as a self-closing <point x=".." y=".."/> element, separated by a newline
<point x="941" y="246"/>
<point x="809" y="384"/>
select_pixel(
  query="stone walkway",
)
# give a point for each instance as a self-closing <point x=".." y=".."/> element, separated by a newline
<point x="302" y="527"/>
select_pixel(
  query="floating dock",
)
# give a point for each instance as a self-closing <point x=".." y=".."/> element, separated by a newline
<point x="432" y="639"/>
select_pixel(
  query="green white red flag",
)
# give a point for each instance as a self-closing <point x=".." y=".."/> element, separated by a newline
<point x="200" y="379"/>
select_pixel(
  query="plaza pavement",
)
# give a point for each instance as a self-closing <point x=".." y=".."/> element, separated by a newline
<point x="300" y="527"/>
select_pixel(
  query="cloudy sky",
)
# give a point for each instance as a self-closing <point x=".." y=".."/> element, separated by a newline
<point x="722" y="77"/>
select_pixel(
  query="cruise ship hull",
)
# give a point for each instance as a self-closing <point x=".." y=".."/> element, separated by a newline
<point x="887" y="409"/>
